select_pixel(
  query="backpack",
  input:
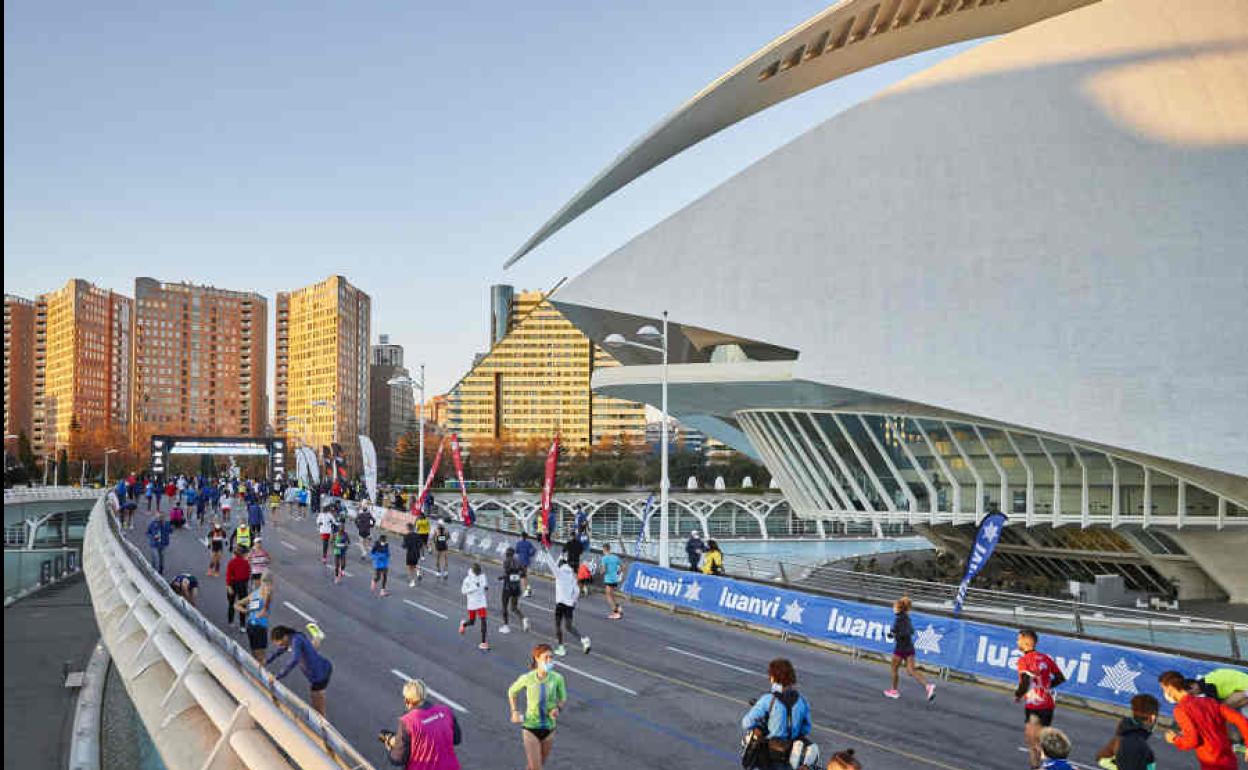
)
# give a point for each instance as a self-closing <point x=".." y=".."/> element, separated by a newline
<point x="754" y="751"/>
<point x="315" y="635"/>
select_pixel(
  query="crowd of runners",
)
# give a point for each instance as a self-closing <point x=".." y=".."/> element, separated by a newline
<point x="777" y="728"/>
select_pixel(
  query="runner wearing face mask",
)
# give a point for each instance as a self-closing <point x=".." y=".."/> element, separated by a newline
<point x="545" y="694"/>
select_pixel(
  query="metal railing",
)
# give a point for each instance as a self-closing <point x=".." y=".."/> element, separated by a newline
<point x="21" y="494"/>
<point x="175" y="662"/>
<point x="27" y="570"/>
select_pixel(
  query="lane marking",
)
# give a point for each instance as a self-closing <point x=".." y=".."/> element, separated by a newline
<point x="288" y="545"/>
<point x="300" y="612"/>
<point x="825" y="728"/>
<point x="598" y="679"/>
<point x="712" y="660"/>
<point x="426" y="609"/>
<point x="431" y="691"/>
<point x="536" y="606"/>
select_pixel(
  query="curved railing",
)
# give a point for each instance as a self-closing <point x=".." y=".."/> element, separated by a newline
<point x="203" y="698"/>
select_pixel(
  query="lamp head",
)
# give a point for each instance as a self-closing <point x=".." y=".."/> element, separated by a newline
<point x="648" y="332"/>
<point x="614" y="341"/>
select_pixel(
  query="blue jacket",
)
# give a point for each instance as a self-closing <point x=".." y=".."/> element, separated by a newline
<point x="381" y="555"/>
<point x="524" y="552"/>
<point x="315" y="666"/>
<point x="770" y="711"/>
<point x="158" y="533"/>
<point x="255" y="515"/>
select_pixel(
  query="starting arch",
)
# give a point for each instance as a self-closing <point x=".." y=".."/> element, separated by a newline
<point x="164" y="446"/>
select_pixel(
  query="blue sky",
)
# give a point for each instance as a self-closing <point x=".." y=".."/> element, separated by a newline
<point x="409" y="146"/>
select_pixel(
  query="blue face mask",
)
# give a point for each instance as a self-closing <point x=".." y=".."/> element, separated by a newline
<point x="545" y="666"/>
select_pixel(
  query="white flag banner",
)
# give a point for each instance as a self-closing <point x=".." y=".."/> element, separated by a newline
<point x="301" y="467"/>
<point x="313" y="463"/>
<point x="368" y="453"/>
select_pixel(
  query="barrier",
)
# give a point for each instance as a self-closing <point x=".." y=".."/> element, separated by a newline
<point x="1095" y="671"/>
<point x="203" y="698"/>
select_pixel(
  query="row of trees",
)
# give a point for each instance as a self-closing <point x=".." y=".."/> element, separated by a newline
<point x="613" y="463"/>
<point x="83" y="456"/>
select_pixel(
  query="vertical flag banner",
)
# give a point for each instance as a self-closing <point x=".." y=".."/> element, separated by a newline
<point x="548" y="491"/>
<point x="327" y="459"/>
<point x="465" y="510"/>
<point x="645" y="525"/>
<point x="340" y="463"/>
<point x="419" y="504"/>
<point x="986" y="538"/>
<point x="309" y="460"/>
<point x="301" y="467"/>
<point x="368" y="454"/>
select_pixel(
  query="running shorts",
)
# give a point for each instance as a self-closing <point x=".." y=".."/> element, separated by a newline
<point x="902" y="655"/>
<point x="413" y="558"/>
<point x="423" y="540"/>
<point x="612" y="583"/>
<point x="258" y="637"/>
<point x="377" y="573"/>
<point x="1045" y="716"/>
<point x="541" y="733"/>
<point x="564" y="611"/>
<point x="474" y="614"/>
<point x="321" y="685"/>
<point x="324" y="535"/>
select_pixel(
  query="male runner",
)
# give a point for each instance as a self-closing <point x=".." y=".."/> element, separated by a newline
<point x="612" y="576"/>
<point x="473" y="589"/>
<point x="442" y="542"/>
<point x="566" y="593"/>
<point x="325" y="526"/>
<point x="514" y="574"/>
<point x="1038" y="674"/>
<point x="411" y="546"/>
<point x="524" y="554"/>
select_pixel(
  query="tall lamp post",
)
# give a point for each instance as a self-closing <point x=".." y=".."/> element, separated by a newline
<point x="404" y="380"/>
<point x="652" y="334"/>
<point x="107" y="452"/>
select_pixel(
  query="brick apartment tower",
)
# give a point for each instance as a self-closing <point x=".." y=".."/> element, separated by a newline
<point x="200" y="360"/>
<point x="321" y="384"/>
<point x="82" y="364"/>
<point x="19" y="365"/>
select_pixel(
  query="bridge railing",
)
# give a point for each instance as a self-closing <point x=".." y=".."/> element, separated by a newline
<point x="204" y="699"/>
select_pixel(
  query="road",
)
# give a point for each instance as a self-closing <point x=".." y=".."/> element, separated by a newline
<point x="658" y="690"/>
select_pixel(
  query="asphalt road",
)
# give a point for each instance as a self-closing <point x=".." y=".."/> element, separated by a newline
<point x="657" y="691"/>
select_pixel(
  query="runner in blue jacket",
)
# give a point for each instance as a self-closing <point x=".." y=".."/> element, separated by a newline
<point x="381" y="565"/>
<point x="315" y="667"/>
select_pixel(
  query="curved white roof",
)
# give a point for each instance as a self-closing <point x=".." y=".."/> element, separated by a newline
<point x="849" y="36"/>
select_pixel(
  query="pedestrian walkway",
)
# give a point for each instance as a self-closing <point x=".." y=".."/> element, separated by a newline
<point x="45" y="635"/>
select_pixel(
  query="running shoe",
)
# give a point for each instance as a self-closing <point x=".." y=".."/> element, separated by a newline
<point x="484" y="646"/>
<point x="561" y="650"/>
<point x="931" y="692"/>
<point x="337" y="579"/>
<point x="585" y="644"/>
<point x="892" y="694"/>
<point x="384" y="592"/>
<point x="614" y="615"/>
<point x="528" y="592"/>
<point x="462" y="625"/>
<point x="504" y="629"/>
<point x="525" y="624"/>
<point x="411" y="584"/>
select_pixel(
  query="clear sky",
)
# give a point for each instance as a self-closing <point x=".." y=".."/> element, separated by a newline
<point x="410" y="146"/>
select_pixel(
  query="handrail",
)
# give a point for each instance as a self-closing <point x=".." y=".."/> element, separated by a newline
<point x="175" y="662"/>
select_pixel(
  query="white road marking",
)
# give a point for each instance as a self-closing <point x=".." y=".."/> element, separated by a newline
<point x="288" y="545"/>
<point x="712" y="660"/>
<point x="431" y="691"/>
<point x="299" y="612"/>
<point x="598" y="679"/>
<point x="204" y="542"/>
<point x="535" y="605"/>
<point x="426" y="609"/>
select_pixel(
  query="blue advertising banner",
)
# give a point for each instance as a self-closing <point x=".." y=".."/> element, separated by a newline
<point x="1104" y="672"/>
<point x="986" y="537"/>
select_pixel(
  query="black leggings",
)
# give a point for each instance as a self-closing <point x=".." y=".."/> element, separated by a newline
<point x="563" y="617"/>
<point x="513" y="601"/>
<point x="472" y="621"/>
<point x="239" y="590"/>
<point x="381" y="576"/>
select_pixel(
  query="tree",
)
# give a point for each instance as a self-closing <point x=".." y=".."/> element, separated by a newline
<point x="25" y="453"/>
<point x="62" y="465"/>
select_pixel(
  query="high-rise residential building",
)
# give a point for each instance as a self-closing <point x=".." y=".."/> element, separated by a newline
<point x="82" y="365"/>
<point x="534" y="382"/>
<point x="199" y="360"/>
<point x="321" y="384"/>
<point x="19" y="368"/>
<point x="391" y="407"/>
<point x="680" y="437"/>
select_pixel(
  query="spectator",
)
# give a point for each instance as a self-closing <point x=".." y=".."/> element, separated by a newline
<point x="427" y="733"/>
<point x="1129" y="747"/>
<point x="1054" y="749"/>
<point x="237" y="580"/>
<point x="844" y="760"/>
<point x="713" y="559"/>
<point x="782" y="716"/>
<point x="694" y="548"/>
<point x="158" y="533"/>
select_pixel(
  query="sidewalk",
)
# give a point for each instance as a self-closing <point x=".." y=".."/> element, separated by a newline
<point x="41" y="634"/>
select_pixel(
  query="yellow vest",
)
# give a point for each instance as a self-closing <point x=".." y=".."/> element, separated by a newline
<point x="242" y="536"/>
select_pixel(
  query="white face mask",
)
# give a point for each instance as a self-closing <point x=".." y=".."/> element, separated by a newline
<point x="777" y="687"/>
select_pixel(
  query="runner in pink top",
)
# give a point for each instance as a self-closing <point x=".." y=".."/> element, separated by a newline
<point x="427" y="733"/>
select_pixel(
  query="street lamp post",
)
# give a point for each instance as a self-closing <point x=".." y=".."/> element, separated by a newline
<point x="651" y="333"/>
<point x="107" y="452"/>
<point x="405" y="380"/>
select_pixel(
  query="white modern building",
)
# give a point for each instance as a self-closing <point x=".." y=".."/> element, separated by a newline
<point x="1017" y="279"/>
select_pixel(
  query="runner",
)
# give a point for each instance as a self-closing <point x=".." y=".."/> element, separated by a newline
<point x="255" y="515"/>
<point x="158" y="533"/>
<point x="325" y="526"/>
<point x="427" y="734"/>
<point x="364" y="525"/>
<point x="149" y="492"/>
<point x="844" y="760"/>
<point x="275" y="502"/>
<point x="411" y="549"/>
<point x="237" y="575"/>
<point x="903" y="650"/>
<point x="585" y="577"/>
<point x="258" y="558"/>
<point x="241" y="538"/>
<point x="257" y="606"/>
<point x="513" y="577"/>
<point x="473" y="589"/>
<point x="381" y="565"/>
<point x="544" y="694"/>
<point x="422" y="531"/>
<point x="1202" y="724"/>
<point x="341" y="543"/>
<point x="441" y="542"/>
<point x="1038" y="674"/>
<point x="612" y="576"/>
<point x="1129" y="749"/>
<point x="565" y="600"/>
<point x="315" y="666"/>
<point x="216" y="545"/>
<point x="524" y="554"/>
<point x="1229" y="685"/>
<point x="227" y="503"/>
<point x="185" y="585"/>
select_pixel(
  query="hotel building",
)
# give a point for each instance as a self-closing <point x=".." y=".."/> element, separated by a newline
<point x="19" y="372"/>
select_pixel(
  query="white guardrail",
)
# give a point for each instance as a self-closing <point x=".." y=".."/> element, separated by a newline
<point x="205" y="701"/>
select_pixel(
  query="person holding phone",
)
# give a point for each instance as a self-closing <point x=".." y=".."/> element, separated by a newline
<point x="427" y="733"/>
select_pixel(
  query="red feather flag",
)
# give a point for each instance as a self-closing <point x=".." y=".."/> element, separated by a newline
<point x="548" y="492"/>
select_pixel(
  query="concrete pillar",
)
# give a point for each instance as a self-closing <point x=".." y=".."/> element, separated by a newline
<point x="1219" y="555"/>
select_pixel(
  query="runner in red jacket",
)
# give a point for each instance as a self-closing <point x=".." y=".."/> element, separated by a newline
<point x="1202" y="724"/>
